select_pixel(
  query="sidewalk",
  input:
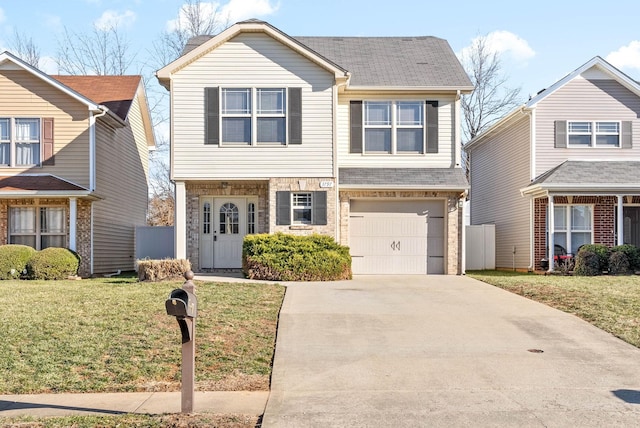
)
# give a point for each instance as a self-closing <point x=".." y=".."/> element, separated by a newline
<point x="38" y="405"/>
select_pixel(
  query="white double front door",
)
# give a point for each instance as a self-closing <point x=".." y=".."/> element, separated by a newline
<point x="224" y="223"/>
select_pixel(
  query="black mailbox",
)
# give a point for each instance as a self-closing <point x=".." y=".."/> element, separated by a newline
<point x="182" y="304"/>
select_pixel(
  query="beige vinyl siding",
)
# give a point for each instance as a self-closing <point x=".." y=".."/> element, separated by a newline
<point x="446" y="137"/>
<point x="122" y="183"/>
<point x="499" y="169"/>
<point x="583" y="99"/>
<point x="252" y="60"/>
<point x="137" y="127"/>
<point x="24" y="95"/>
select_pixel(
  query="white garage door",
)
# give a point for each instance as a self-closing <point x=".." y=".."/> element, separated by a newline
<point x="397" y="237"/>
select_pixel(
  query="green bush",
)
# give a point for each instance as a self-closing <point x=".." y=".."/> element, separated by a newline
<point x="160" y="270"/>
<point x="14" y="259"/>
<point x="633" y="255"/>
<point x="602" y="251"/>
<point x="587" y="263"/>
<point x="284" y="257"/>
<point x="53" y="263"/>
<point x="619" y="263"/>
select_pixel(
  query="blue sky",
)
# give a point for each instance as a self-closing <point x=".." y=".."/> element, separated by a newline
<point x="539" y="41"/>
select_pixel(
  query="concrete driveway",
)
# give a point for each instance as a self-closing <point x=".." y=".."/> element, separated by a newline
<point x="417" y="351"/>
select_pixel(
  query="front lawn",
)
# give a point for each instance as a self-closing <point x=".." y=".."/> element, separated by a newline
<point x="611" y="303"/>
<point x="110" y="335"/>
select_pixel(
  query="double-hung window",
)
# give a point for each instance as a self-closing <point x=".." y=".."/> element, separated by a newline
<point x="573" y="226"/>
<point x="19" y="141"/>
<point x="37" y="227"/>
<point x="593" y="134"/>
<point x="394" y="127"/>
<point x="253" y="116"/>
<point x="301" y="207"/>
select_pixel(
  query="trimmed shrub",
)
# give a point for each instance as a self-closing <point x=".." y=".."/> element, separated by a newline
<point x="633" y="255"/>
<point x="587" y="263"/>
<point x="161" y="270"/>
<point x="602" y="251"/>
<point x="619" y="263"/>
<point x="53" y="263"/>
<point x="284" y="257"/>
<point x="14" y="259"/>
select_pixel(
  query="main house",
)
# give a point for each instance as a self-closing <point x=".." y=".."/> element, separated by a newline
<point x="561" y="170"/>
<point x="73" y="163"/>
<point x="353" y="137"/>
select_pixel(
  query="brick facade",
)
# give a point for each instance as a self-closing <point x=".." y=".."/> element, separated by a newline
<point x="83" y="224"/>
<point x="604" y="219"/>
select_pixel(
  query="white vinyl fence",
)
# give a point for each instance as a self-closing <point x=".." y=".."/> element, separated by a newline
<point x="481" y="247"/>
<point x="154" y="242"/>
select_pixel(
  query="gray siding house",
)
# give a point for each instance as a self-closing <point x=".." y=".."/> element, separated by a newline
<point x="353" y="137"/>
<point x="561" y="170"/>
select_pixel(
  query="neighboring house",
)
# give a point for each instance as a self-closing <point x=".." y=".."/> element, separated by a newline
<point x="572" y="150"/>
<point x="353" y="137"/>
<point x="73" y="163"/>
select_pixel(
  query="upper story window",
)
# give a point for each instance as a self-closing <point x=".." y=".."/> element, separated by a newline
<point x="593" y="134"/>
<point x="20" y="141"/>
<point x="393" y="127"/>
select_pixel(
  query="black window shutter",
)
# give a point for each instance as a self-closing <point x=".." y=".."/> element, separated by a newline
<point x="319" y="208"/>
<point x="561" y="134"/>
<point x="294" y="114"/>
<point x="432" y="126"/>
<point x="355" y="145"/>
<point x="212" y="116"/>
<point x="626" y="140"/>
<point x="283" y="208"/>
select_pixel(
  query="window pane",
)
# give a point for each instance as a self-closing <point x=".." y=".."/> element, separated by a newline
<point x="27" y="130"/>
<point x="47" y="241"/>
<point x="270" y="101"/>
<point x="27" y="154"/>
<point x="410" y="140"/>
<point x="4" y="154"/>
<point x="560" y="238"/>
<point x="301" y="215"/>
<point x="560" y="217"/>
<point x="271" y="130"/>
<point x="52" y="220"/>
<point x="302" y="199"/>
<point x="580" y="140"/>
<point x="251" y="218"/>
<point x="581" y="127"/>
<point x="236" y="130"/>
<point x="377" y="113"/>
<point x="608" y="127"/>
<point x="236" y="101"/>
<point x="206" y="218"/>
<point x="29" y="240"/>
<point x="229" y="219"/>
<point x="578" y="239"/>
<point x="23" y="220"/>
<point x="377" y="140"/>
<point x="4" y="129"/>
<point x="580" y="217"/>
<point x="409" y="113"/>
<point x="608" y="140"/>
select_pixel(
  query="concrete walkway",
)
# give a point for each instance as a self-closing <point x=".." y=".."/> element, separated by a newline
<point x="443" y="351"/>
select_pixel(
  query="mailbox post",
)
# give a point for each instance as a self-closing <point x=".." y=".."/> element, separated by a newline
<point x="182" y="304"/>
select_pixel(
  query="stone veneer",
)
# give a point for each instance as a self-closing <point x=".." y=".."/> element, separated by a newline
<point x="83" y="224"/>
<point x="453" y="223"/>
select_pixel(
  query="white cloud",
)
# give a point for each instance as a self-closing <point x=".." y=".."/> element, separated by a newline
<point x="111" y="18"/>
<point x="231" y="12"/>
<point x="504" y="43"/>
<point x="626" y="57"/>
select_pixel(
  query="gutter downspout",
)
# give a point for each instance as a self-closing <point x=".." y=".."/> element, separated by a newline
<point x="457" y="155"/>
<point x="336" y="170"/>
<point x="532" y="173"/>
<point x="92" y="170"/>
<point x="463" y="245"/>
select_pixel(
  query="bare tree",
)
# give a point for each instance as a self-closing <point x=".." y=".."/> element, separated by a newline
<point x="103" y="51"/>
<point x="491" y="99"/>
<point x="161" y="199"/>
<point x="26" y="49"/>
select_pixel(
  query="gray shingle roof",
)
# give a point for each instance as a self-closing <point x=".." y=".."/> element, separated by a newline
<point x="393" y="61"/>
<point x="427" y="178"/>
<point x="596" y="173"/>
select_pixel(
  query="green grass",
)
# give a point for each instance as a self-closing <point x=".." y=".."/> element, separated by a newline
<point x="109" y="335"/>
<point x="611" y="303"/>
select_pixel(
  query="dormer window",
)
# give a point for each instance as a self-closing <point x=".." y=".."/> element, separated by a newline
<point x="593" y="134"/>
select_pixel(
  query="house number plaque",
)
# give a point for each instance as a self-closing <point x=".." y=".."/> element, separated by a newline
<point x="325" y="184"/>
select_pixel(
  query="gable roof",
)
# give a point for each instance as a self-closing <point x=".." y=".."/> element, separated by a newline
<point x="594" y="63"/>
<point x="368" y="62"/>
<point x="114" y="92"/>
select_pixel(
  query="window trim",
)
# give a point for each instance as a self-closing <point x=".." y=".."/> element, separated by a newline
<point x="38" y="234"/>
<point x="394" y="126"/>
<point x="594" y="134"/>
<point x="12" y="141"/>
<point x="254" y="116"/>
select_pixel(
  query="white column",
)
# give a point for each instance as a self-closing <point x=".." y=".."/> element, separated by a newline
<point x="620" y="220"/>
<point x="552" y="227"/>
<point x="180" y="221"/>
<point x="73" y="219"/>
